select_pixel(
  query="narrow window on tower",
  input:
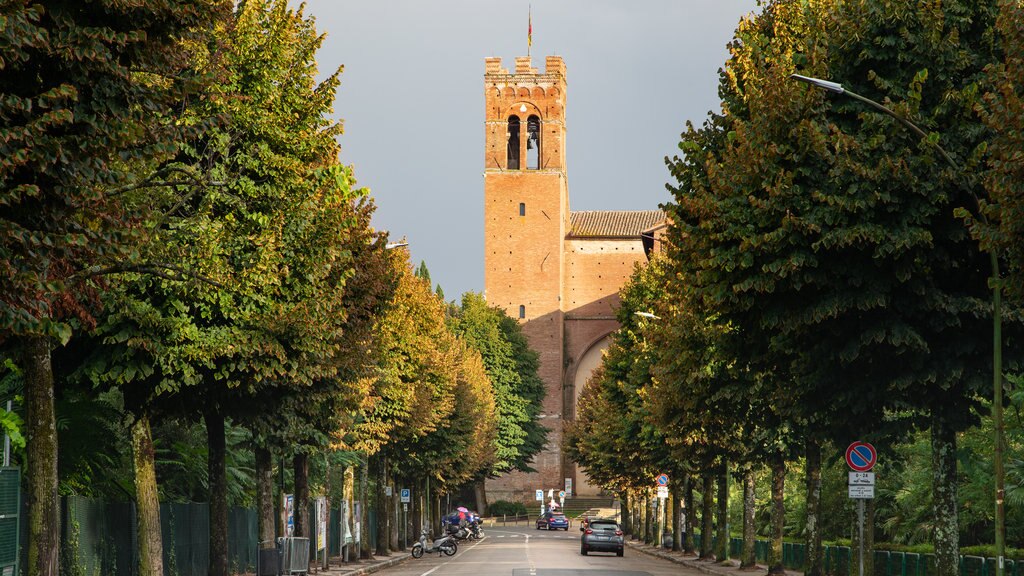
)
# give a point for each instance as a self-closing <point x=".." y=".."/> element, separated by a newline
<point x="522" y="209"/>
<point x="513" y="143"/>
<point x="533" y="143"/>
<point x="522" y="311"/>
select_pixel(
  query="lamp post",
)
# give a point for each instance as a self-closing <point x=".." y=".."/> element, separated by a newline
<point x="997" y="318"/>
<point x="647" y="315"/>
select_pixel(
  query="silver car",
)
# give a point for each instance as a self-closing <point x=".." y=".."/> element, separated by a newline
<point x="602" y="535"/>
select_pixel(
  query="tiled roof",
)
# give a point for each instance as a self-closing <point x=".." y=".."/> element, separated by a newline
<point x="613" y="223"/>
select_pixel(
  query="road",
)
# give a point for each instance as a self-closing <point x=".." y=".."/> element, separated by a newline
<point x="523" y="551"/>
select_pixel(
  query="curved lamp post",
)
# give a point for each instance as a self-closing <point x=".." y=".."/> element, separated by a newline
<point x="997" y="320"/>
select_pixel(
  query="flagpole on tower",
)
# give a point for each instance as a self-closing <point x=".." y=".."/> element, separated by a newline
<point x="529" y="29"/>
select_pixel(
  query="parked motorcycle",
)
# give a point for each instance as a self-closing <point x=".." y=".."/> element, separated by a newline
<point x="445" y="544"/>
<point x="475" y="531"/>
<point x="460" y="532"/>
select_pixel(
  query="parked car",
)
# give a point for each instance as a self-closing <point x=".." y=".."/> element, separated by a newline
<point x="553" y="521"/>
<point x="602" y="536"/>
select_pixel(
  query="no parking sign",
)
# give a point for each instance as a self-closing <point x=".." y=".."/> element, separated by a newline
<point x="861" y="456"/>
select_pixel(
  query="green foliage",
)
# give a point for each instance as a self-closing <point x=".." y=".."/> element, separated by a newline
<point x="506" y="508"/>
<point x="70" y="564"/>
<point x="512" y="369"/>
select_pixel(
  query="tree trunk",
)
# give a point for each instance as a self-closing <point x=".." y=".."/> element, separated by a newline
<point x="869" y="537"/>
<point x="396" y="518"/>
<point x="944" y="499"/>
<point x="147" y="500"/>
<point x="722" y="550"/>
<point x="777" y="517"/>
<point x="691" y="516"/>
<point x="627" y="518"/>
<point x="379" y="470"/>
<point x="480" y="492"/>
<point x="300" y="467"/>
<point x="678" y="524"/>
<point x="814" y="563"/>
<point x="707" y="515"/>
<point x="417" y="510"/>
<point x="364" y="509"/>
<point x="265" y="496"/>
<point x="749" y="559"/>
<point x="41" y="452"/>
<point x="218" y="479"/>
<point x="647" y="518"/>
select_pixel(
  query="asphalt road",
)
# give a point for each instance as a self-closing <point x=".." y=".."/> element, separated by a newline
<point x="523" y="551"/>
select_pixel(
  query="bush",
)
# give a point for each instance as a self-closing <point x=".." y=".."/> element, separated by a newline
<point x="506" y="508"/>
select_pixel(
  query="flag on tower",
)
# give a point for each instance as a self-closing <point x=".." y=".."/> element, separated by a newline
<point x="529" y="28"/>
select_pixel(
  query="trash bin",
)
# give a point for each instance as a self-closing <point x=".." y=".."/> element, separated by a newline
<point x="268" y="562"/>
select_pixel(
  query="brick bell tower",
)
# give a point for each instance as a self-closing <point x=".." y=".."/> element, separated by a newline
<point x="526" y="219"/>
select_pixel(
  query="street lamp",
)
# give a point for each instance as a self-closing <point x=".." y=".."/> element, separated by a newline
<point x="647" y="315"/>
<point x="393" y="245"/>
<point x="997" y="319"/>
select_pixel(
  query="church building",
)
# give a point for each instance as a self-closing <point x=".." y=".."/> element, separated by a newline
<point x="557" y="271"/>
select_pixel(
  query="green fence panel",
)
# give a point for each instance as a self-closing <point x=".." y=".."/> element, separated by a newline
<point x="10" y="519"/>
<point x="881" y="559"/>
<point x="103" y="533"/>
<point x="242" y="539"/>
<point x="334" y="533"/>
<point x="914" y="564"/>
<point x="761" y="550"/>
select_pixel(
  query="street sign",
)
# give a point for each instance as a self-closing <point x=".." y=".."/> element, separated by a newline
<point x="861" y="456"/>
<point x="662" y="492"/>
<point x="561" y="494"/>
<point x="406" y="495"/>
<point x="862" y="492"/>
<point x="862" y="478"/>
<point x="540" y="495"/>
<point x="662" y="479"/>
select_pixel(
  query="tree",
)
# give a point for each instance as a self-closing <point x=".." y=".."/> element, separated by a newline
<point x="76" y="108"/>
<point x="512" y="369"/>
<point x="798" y="228"/>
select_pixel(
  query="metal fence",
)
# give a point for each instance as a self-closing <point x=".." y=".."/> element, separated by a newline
<point x="101" y="538"/>
<point x="840" y="561"/>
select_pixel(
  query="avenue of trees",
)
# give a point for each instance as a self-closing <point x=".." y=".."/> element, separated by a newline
<point x="193" y="304"/>
<point x="827" y="278"/>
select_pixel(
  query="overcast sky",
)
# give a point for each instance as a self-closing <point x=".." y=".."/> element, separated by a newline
<point x="411" y="98"/>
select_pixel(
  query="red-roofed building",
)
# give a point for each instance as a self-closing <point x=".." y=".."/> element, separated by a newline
<point x="559" y="272"/>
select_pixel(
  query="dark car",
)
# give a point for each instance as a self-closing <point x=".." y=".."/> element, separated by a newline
<point x="553" y="521"/>
<point x="602" y="536"/>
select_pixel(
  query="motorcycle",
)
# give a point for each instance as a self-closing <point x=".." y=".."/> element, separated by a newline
<point x="458" y="531"/>
<point x="445" y="544"/>
<point x="475" y="531"/>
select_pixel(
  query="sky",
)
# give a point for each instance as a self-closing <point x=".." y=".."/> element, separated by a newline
<point x="412" y="102"/>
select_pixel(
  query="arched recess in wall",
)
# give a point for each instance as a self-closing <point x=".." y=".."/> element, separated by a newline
<point x="512" y="137"/>
<point x="533" y="142"/>
<point x="585" y="367"/>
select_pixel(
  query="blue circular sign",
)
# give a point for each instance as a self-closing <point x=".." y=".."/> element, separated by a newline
<point x="861" y="456"/>
<point x="663" y="480"/>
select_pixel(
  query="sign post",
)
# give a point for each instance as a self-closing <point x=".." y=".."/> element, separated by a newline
<point x="861" y="458"/>
<point x="540" y="498"/>
<point x="406" y="496"/>
<point x="662" y="482"/>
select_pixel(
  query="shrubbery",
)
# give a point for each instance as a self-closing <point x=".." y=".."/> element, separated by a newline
<point x="506" y="508"/>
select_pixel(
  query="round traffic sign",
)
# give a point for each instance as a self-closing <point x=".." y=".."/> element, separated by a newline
<point x="662" y="480"/>
<point x="861" y="456"/>
<point x="561" y="493"/>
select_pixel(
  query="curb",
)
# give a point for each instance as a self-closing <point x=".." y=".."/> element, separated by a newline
<point x="705" y="567"/>
<point x="372" y="567"/>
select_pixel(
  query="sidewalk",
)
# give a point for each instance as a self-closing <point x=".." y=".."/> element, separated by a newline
<point x="356" y="567"/>
<point x="729" y="567"/>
